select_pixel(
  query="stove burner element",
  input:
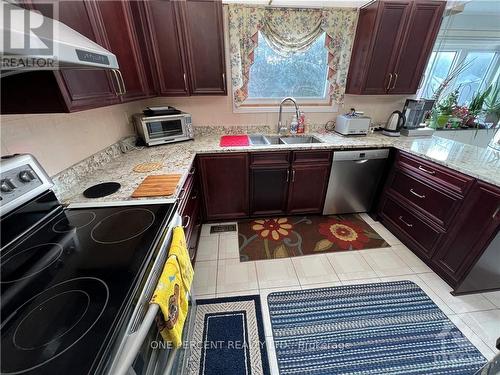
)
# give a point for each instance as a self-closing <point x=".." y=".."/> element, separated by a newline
<point x="28" y="262"/>
<point x="51" y="322"/>
<point x="101" y="190"/>
<point x="73" y="220"/>
<point x="24" y="338"/>
<point x="122" y="226"/>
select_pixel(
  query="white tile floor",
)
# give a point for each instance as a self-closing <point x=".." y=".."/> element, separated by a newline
<point x="219" y="273"/>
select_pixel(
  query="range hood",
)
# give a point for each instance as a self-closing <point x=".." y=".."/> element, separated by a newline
<point x="51" y="39"/>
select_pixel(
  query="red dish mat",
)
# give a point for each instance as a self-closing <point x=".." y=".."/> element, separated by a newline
<point x="234" y="140"/>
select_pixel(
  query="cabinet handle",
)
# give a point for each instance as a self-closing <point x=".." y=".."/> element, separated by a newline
<point x="417" y="194"/>
<point x="426" y="170"/>
<point x="188" y="221"/>
<point x="395" y="80"/>
<point x="191" y="172"/>
<point x="389" y="84"/>
<point x="181" y="194"/>
<point x="293" y="175"/>
<point x="223" y="78"/>
<point x="117" y="80"/>
<point x="185" y="82"/>
<point x="124" y="89"/>
<point x="405" y="222"/>
<point x="287" y="175"/>
<point x="494" y="216"/>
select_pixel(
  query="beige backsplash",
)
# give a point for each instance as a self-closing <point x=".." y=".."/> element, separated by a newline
<point x="61" y="140"/>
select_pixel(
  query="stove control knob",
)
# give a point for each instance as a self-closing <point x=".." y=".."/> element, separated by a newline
<point x="7" y="185"/>
<point x="26" y="176"/>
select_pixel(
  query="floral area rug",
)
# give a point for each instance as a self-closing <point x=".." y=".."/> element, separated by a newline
<point x="284" y="237"/>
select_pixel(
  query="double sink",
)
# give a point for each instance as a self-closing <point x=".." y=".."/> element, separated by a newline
<point x="265" y="140"/>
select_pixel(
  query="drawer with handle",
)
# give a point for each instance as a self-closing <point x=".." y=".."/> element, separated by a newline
<point x="419" y="232"/>
<point x="454" y="181"/>
<point x="439" y="205"/>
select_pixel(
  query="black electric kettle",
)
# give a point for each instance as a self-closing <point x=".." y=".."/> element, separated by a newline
<point x="394" y="123"/>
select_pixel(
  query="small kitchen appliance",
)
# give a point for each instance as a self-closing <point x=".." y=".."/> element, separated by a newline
<point x="394" y="124"/>
<point x="76" y="281"/>
<point x="161" y="129"/>
<point x="352" y="123"/>
<point x="415" y="112"/>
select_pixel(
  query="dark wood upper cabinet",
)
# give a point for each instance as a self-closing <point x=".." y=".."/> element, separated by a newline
<point x="224" y="180"/>
<point x="391" y="22"/>
<point x="66" y="90"/>
<point x="423" y="28"/>
<point x="169" y="61"/>
<point x="204" y="38"/>
<point x="83" y="89"/>
<point x="187" y="44"/>
<point x="120" y="37"/>
<point x="393" y="42"/>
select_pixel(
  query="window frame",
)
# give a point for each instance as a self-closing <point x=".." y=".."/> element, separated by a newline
<point x="272" y="105"/>
<point x="461" y="53"/>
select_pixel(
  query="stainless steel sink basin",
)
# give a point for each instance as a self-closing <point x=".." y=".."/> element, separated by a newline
<point x="264" y="140"/>
<point x="258" y="140"/>
<point x="293" y="140"/>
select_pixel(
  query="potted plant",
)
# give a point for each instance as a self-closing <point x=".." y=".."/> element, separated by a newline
<point x="476" y="106"/>
<point x="445" y="108"/>
<point x="492" y="105"/>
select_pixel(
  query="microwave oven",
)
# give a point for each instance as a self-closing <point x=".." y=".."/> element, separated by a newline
<point x="157" y="130"/>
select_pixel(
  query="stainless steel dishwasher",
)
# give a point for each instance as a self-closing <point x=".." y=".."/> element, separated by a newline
<point x="354" y="180"/>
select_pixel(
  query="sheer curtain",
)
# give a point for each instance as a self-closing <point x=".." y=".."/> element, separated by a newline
<point x="288" y="31"/>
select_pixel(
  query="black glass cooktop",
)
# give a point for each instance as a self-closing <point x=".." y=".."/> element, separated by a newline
<point x="65" y="287"/>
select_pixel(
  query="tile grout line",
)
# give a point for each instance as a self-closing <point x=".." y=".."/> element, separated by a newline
<point x="459" y="315"/>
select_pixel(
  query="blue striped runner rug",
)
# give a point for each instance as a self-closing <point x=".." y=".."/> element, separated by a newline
<point x="381" y="328"/>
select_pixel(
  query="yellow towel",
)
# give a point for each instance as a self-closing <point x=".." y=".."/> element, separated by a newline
<point x="179" y="249"/>
<point x="171" y="292"/>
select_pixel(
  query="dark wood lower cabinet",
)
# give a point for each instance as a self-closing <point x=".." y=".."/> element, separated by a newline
<point x="308" y="188"/>
<point x="190" y="211"/>
<point x="264" y="183"/>
<point x="475" y="227"/>
<point x="224" y="180"/>
<point x="268" y="190"/>
<point x="449" y="225"/>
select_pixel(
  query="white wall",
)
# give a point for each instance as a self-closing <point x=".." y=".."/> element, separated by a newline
<point x="61" y="140"/>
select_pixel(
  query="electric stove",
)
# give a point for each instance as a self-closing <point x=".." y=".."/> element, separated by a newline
<point x="70" y="280"/>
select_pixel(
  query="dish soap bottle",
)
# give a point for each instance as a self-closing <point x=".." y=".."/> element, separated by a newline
<point x="294" y="125"/>
<point x="301" y="127"/>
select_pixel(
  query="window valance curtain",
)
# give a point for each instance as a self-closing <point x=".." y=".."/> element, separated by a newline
<point x="290" y="31"/>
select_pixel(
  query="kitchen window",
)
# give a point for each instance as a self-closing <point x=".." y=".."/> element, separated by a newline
<point x="280" y="52"/>
<point x="302" y="75"/>
<point x="479" y="75"/>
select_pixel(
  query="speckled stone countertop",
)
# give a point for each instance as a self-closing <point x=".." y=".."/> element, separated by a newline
<point x="477" y="162"/>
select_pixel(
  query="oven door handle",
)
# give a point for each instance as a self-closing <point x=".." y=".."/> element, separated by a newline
<point x="134" y="342"/>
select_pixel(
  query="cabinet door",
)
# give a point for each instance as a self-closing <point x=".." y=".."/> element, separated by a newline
<point x="224" y="181"/>
<point x="83" y="89"/>
<point x="121" y="39"/>
<point x="163" y="29"/>
<point x="268" y="190"/>
<point x="307" y="190"/>
<point x="476" y="225"/>
<point x="204" y="40"/>
<point x="391" y="21"/>
<point x="423" y="27"/>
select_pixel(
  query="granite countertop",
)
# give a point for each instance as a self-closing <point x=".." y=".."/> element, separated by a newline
<point x="474" y="161"/>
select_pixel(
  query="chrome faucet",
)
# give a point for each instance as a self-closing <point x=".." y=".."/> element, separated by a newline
<point x="280" y="127"/>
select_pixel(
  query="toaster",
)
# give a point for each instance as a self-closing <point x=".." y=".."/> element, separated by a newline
<point x="352" y="124"/>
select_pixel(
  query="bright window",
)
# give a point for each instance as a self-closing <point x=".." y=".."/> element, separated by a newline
<point x="480" y="74"/>
<point x="301" y="75"/>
